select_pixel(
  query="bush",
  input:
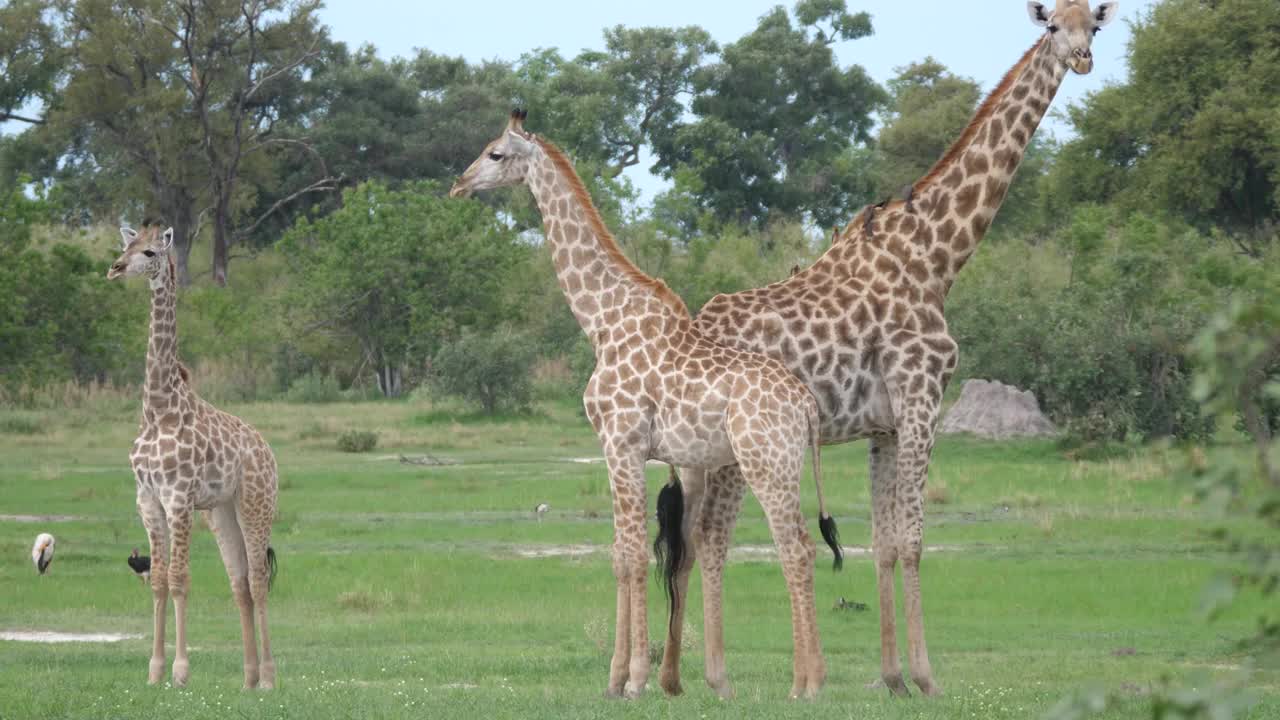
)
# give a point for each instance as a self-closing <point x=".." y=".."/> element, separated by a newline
<point x="492" y="372"/>
<point x="314" y="387"/>
<point x="357" y="441"/>
<point x="1095" y="324"/>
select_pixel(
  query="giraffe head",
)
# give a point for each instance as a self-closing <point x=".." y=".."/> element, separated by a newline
<point x="142" y="253"/>
<point x="505" y="161"/>
<point x="1071" y="28"/>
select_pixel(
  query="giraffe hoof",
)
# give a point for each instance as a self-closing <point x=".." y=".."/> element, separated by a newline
<point x="928" y="687"/>
<point x="613" y="693"/>
<point x="156" y="672"/>
<point x="723" y="689"/>
<point x="897" y="687"/>
<point x="671" y="686"/>
<point x="631" y="691"/>
<point x="181" y="673"/>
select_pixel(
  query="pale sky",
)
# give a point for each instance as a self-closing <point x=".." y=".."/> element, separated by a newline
<point x="980" y="40"/>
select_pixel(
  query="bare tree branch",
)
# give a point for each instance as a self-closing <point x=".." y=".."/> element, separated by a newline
<point x="327" y="184"/>
<point x="10" y="116"/>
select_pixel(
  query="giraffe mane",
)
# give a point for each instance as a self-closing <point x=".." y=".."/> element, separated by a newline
<point x="985" y="110"/>
<point x="660" y="289"/>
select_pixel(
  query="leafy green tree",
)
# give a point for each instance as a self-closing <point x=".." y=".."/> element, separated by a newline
<point x="776" y="121"/>
<point x="1194" y="130"/>
<point x="63" y="319"/>
<point x="30" y="59"/>
<point x="399" y="272"/>
<point x="489" y="370"/>
<point x="168" y="109"/>
<point x="928" y="108"/>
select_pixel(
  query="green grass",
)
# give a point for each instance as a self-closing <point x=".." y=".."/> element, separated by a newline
<point x="402" y="592"/>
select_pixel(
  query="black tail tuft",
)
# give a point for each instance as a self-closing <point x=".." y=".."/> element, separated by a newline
<point x="669" y="548"/>
<point x="271" y="565"/>
<point x="827" y="525"/>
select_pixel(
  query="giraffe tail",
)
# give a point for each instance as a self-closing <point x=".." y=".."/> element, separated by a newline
<point x="669" y="547"/>
<point x="826" y="523"/>
<point x="271" y="566"/>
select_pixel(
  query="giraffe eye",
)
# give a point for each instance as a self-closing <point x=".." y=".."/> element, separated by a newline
<point x="1097" y="30"/>
<point x="496" y="156"/>
<point x="148" y="253"/>
<point x="1053" y="28"/>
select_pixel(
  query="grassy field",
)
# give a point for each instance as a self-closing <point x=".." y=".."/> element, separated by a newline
<point x="411" y="591"/>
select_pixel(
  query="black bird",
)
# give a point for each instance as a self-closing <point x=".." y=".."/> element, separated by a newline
<point x="141" y="565"/>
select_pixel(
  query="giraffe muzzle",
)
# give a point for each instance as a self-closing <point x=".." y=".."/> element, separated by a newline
<point x="459" y="190"/>
<point x="116" y="271"/>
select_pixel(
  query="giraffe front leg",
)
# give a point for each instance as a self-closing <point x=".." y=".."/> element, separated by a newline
<point x="713" y="534"/>
<point x="914" y="450"/>
<point x="153" y="519"/>
<point x="179" y="577"/>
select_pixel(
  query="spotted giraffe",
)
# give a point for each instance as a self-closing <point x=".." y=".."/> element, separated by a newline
<point x="864" y="329"/>
<point x="191" y="456"/>
<point x="662" y="391"/>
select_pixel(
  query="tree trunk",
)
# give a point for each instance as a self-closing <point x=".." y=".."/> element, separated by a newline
<point x="178" y="211"/>
<point x="389" y="380"/>
<point x="221" y="218"/>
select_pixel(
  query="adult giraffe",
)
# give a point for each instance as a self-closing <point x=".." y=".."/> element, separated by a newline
<point x="662" y="391"/>
<point x="864" y="329"/>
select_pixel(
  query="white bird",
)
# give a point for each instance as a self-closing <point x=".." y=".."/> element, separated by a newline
<point x="541" y="510"/>
<point x="42" y="552"/>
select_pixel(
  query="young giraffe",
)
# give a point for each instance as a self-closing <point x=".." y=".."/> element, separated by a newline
<point x="864" y="329"/>
<point x="191" y="456"/>
<point x="660" y="390"/>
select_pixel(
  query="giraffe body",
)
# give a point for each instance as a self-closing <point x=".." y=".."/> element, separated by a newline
<point x="864" y="329"/>
<point x="662" y="391"/>
<point x="189" y="456"/>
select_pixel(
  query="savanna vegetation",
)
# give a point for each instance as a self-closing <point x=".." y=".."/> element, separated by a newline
<point x="1131" y="281"/>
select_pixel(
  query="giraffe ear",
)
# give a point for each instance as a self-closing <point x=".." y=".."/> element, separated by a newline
<point x="1105" y="13"/>
<point x="1039" y="15"/>
<point x="517" y="143"/>
<point x="127" y="235"/>
<point x="166" y="240"/>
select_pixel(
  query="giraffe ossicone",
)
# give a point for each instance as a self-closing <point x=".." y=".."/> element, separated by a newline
<point x="863" y="328"/>
<point x="188" y="457"/>
<point x="662" y="391"/>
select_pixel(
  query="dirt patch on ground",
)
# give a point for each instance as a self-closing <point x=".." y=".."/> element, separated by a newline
<point x="738" y="553"/>
<point x="50" y="636"/>
<point x="39" y="518"/>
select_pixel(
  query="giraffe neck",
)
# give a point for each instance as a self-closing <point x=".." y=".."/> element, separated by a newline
<point x="960" y="195"/>
<point x="163" y="377"/>
<point x="596" y="277"/>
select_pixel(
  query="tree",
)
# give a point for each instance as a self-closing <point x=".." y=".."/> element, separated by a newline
<point x="399" y="272"/>
<point x="63" y="319"/>
<point x="30" y="59"/>
<point x="776" y="121"/>
<point x="928" y="109"/>
<point x="169" y="109"/>
<point x="489" y="370"/>
<point x="1194" y="130"/>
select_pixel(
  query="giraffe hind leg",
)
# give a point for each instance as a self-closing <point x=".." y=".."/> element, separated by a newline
<point x="255" y="511"/>
<point x="692" y="484"/>
<point x="230" y="538"/>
